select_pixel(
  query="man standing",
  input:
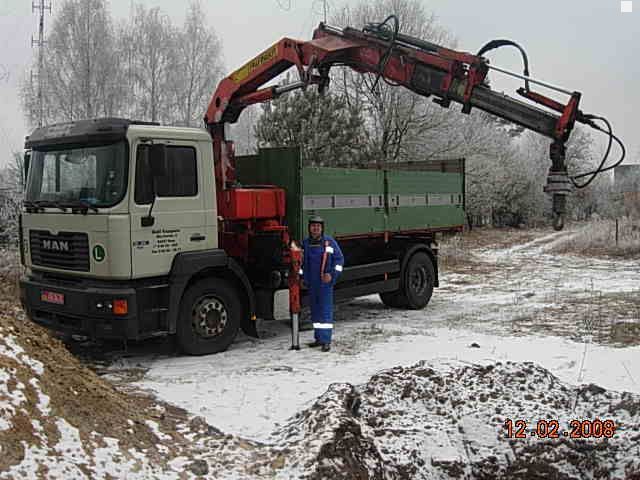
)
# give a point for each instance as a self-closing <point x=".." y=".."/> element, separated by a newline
<point x="321" y="265"/>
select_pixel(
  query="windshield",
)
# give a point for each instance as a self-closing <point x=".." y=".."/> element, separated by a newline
<point x="93" y="176"/>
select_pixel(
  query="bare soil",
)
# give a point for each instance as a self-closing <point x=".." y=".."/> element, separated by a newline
<point x="81" y="397"/>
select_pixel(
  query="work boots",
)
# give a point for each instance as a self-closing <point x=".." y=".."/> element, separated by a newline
<point x="326" y="347"/>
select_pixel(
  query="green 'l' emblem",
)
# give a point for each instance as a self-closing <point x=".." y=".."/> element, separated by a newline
<point x="99" y="253"/>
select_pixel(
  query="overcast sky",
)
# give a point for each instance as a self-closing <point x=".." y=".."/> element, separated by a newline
<point x="584" y="45"/>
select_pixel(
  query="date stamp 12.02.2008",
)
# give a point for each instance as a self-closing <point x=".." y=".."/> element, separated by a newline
<point x="596" y="428"/>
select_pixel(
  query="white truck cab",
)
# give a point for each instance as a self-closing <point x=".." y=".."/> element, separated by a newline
<point x="106" y="228"/>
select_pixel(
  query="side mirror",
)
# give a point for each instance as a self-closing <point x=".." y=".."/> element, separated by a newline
<point x="158" y="164"/>
<point x="25" y="167"/>
<point x="158" y="160"/>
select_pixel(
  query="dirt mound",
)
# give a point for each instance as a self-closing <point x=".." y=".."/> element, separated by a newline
<point x="58" y="418"/>
<point x="429" y="422"/>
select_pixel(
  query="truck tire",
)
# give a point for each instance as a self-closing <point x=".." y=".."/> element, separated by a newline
<point x="209" y="320"/>
<point x="417" y="283"/>
<point x="391" y="299"/>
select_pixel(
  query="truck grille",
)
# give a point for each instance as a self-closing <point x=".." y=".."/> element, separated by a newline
<point x="67" y="250"/>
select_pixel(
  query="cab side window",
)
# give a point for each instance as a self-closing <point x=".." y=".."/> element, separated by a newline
<point x="181" y="178"/>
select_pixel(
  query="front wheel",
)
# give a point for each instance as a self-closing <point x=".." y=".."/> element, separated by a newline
<point x="209" y="320"/>
<point x="392" y="299"/>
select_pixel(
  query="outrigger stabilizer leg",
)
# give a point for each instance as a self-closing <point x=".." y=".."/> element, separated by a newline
<point x="294" y="294"/>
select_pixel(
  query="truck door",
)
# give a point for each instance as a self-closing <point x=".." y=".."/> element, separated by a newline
<point x="178" y="219"/>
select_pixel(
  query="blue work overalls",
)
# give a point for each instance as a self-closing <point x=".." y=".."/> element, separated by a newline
<point x="320" y="293"/>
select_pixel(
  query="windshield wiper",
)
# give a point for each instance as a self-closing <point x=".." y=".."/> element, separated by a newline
<point x="80" y="205"/>
<point x="41" y="204"/>
<point x="60" y="206"/>
<point x="34" y="205"/>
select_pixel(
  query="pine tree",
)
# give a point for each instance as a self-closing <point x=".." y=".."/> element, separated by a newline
<point x="327" y="130"/>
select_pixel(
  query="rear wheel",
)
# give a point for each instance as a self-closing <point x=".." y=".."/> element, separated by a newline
<point x="209" y="317"/>
<point x="419" y="278"/>
<point x="416" y="284"/>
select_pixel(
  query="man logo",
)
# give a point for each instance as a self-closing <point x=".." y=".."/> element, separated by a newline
<point x="626" y="6"/>
<point x="56" y="245"/>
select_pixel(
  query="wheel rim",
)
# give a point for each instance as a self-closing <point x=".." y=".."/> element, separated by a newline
<point x="209" y="317"/>
<point x="418" y="280"/>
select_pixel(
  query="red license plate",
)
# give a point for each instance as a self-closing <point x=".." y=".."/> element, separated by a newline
<point x="52" y="297"/>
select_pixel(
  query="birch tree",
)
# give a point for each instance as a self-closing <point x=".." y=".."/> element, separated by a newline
<point x="244" y="130"/>
<point x="533" y="160"/>
<point x="80" y="66"/>
<point x="199" y="67"/>
<point x="11" y="195"/>
<point x="494" y="177"/>
<point x="154" y="60"/>
<point x="396" y="118"/>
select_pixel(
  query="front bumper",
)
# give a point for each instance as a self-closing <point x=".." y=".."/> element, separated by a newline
<point x="80" y="315"/>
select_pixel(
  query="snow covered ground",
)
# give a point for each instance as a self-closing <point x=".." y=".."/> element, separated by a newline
<point x="508" y="310"/>
<point x="252" y="395"/>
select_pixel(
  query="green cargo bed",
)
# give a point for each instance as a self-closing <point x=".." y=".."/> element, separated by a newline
<point x="357" y="201"/>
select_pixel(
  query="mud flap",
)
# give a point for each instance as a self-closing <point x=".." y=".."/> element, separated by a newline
<point x="249" y="325"/>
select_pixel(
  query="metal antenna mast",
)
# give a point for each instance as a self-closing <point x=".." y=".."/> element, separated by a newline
<point x="40" y="7"/>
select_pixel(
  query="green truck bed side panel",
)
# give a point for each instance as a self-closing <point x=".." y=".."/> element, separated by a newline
<point x="419" y="199"/>
<point x="356" y="201"/>
<point x="350" y="201"/>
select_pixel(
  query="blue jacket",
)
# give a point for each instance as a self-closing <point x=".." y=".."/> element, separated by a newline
<point x="312" y="260"/>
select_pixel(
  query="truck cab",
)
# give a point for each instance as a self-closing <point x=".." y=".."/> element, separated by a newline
<point x="102" y="231"/>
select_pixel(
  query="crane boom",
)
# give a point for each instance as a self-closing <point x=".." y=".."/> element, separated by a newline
<point x="423" y="67"/>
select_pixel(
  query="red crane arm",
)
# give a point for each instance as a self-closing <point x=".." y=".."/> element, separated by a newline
<point x="424" y="68"/>
<point x="418" y="65"/>
<point x="329" y="47"/>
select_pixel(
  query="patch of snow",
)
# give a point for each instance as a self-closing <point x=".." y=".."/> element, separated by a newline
<point x="43" y="400"/>
<point x="11" y="349"/>
<point x="69" y="459"/>
<point x="179" y="463"/>
<point x="10" y="399"/>
<point x="156" y="430"/>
